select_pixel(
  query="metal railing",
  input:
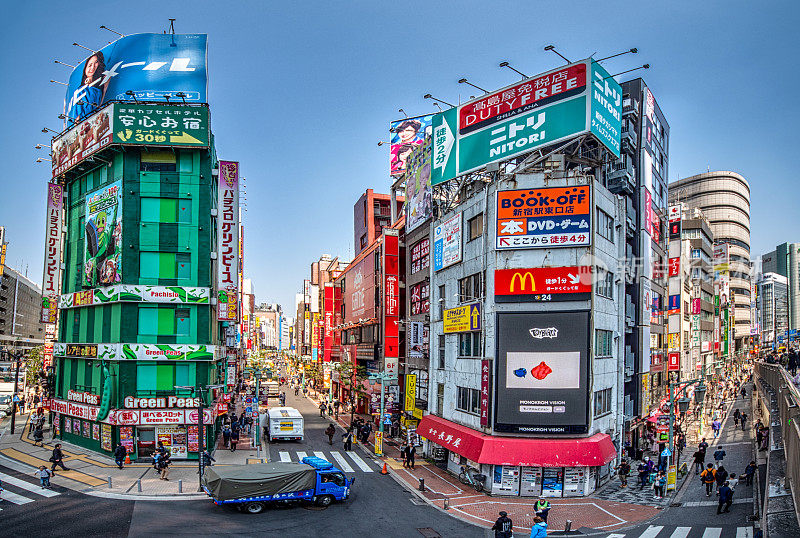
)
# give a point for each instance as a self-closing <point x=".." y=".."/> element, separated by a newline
<point x="788" y="397"/>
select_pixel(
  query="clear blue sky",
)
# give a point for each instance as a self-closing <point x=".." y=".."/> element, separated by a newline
<point x="301" y="92"/>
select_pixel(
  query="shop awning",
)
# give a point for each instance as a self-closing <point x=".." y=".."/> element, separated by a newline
<point x="523" y="451"/>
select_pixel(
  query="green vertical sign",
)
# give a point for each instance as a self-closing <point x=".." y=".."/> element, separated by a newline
<point x="606" y="113"/>
<point x="443" y="157"/>
<point x="161" y="125"/>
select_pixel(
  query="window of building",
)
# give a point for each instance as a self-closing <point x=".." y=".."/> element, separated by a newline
<point x="170" y="265"/>
<point x="363" y="241"/>
<point x="158" y="161"/>
<point x="602" y="402"/>
<point x="604" y="286"/>
<point x="468" y="400"/>
<point x="605" y="225"/>
<point x="475" y="226"/>
<point x="167" y="210"/>
<point x="469" y="344"/>
<point x="441" y="300"/>
<point x="440" y="398"/>
<point x="163" y="321"/>
<point x="420" y="255"/>
<point x="441" y="351"/>
<point x="603" y="343"/>
<point x="470" y="288"/>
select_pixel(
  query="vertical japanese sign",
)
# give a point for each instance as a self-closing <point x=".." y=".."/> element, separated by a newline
<point x="228" y="239"/>
<point x="315" y="336"/>
<point x="327" y="337"/>
<point x="411" y="393"/>
<point x="674" y="364"/>
<point x="391" y="307"/>
<point x="51" y="282"/>
<point x="486" y="370"/>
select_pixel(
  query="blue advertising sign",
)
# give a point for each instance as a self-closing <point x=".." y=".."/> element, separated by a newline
<point x="153" y="66"/>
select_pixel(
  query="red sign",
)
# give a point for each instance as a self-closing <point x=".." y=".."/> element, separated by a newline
<point x="327" y="330"/>
<point x="695" y="306"/>
<point x="485" y="372"/>
<point x="359" y="289"/>
<point x="522" y="97"/>
<point x="674" y="266"/>
<point x="674" y="362"/>
<point x="391" y="308"/>
<point x="533" y="282"/>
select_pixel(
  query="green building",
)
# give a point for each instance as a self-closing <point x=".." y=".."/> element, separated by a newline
<point x="137" y="318"/>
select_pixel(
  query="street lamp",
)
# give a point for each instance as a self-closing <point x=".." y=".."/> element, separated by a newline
<point x="200" y="434"/>
<point x="683" y="403"/>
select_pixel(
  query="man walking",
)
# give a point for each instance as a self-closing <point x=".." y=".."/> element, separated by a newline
<point x="749" y="472"/>
<point x="708" y="477"/>
<point x="234" y="439"/>
<point x="716" y="426"/>
<point x="119" y="455"/>
<point x="744" y="420"/>
<point x="643" y="472"/>
<point x="719" y="455"/>
<point x="411" y="453"/>
<point x="503" y="527"/>
<point x="336" y="404"/>
<point x="736" y="416"/>
<point x="57" y="458"/>
<point x="699" y="461"/>
<point x="330" y="431"/>
<point x="725" y="498"/>
<point x="623" y="470"/>
<point x="348" y="440"/>
<point x="322" y="408"/>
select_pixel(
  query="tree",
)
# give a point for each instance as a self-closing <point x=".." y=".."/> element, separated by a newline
<point x="352" y="377"/>
<point x="33" y="365"/>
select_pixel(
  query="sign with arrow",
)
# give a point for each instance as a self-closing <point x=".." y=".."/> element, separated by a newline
<point x="161" y="125"/>
<point x="464" y="318"/>
<point x="541" y="284"/>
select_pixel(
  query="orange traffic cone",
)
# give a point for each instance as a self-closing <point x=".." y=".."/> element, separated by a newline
<point x="384" y="470"/>
<point x="127" y="460"/>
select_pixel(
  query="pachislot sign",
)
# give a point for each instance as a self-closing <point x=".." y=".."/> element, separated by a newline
<point x="51" y="282"/>
<point x="542" y="284"/>
<point x="228" y="234"/>
<point x="544" y="218"/>
<point x="543" y="110"/>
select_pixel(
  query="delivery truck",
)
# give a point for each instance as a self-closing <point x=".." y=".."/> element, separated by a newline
<point x="284" y="424"/>
<point x="254" y="487"/>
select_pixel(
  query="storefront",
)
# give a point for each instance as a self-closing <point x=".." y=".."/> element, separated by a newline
<point x="527" y="467"/>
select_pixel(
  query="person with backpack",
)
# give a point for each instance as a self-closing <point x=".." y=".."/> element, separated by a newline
<point x="623" y="470"/>
<point x="347" y="439"/>
<point x="708" y="478"/>
<point x="503" y="527"/>
<point x="119" y="455"/>
<point x="719" y="455"/>
<point x="330" y="431"/>
<point x="721" y="476"/>
<point x="539" y="528"/>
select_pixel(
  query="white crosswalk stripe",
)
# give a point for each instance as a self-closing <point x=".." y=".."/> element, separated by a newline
<point x="681" y="532"/>
<point x="658" y="531"/>
<point x="358" y="461"/>
<point x="321" y="455"/>
<point x="712" y="532"/>
<point x="285" y="457"/>
<point x="343" y="465"/>
<point x="301" y="455"/>
<point x="651" y="531"/>
<point x="744" y="532"/>
<point x="14" y="497"/>
<point x="35" y="488"/>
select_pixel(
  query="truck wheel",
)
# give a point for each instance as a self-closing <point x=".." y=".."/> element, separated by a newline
<point x="254" y="508"/>
<point x="324" y="500"/>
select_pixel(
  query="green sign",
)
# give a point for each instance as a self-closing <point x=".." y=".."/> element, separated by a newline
<point x="576" y="99"/>
<point x="161" y="125"/>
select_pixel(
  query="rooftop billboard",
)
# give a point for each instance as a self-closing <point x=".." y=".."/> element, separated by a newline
<point x="406" y="134"/>
<point x="153" y="66"/>
<point x="572" y="100"/>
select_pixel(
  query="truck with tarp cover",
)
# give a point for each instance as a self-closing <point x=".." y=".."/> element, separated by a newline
<point x="252" y="487"/>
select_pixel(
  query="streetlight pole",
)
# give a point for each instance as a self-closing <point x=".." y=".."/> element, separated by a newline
<point x="18" y="358"/>
<point x="198" y="390"/>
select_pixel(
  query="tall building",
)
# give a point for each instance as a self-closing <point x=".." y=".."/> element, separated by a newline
<point x="371" y="214"/>
<point x="724" y="198"/>
<point x="785" y="261"/>
<point x="20" y="305"/>
<point x="772" y="308"/>
<point x="146" y="242"/>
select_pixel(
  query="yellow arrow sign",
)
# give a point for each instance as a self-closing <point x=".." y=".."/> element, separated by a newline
<point x="185" y="138"/>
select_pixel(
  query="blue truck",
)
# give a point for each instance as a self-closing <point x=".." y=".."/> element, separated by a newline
<point x="254" y="487"/>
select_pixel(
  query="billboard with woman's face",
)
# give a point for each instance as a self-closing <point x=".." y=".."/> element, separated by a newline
<point x="406" y="134"/>
<point x="154" y="67"/>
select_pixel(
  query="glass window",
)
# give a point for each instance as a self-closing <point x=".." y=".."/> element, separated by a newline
<point x="440" y="398"/>
<point x="605" y="225"/>
<point x="441" y="350"/>
<point x="475" y="227"/>
<point x="470" y="288"/>
<point x="605" y="283"/>
<point x="602" y="402"/>
<point x="469" y="344"/>
<point x="182" y="322"/>
<point x="468" y="400"/>
<point x="158" y="161"/>
<point x="603" y="343"/>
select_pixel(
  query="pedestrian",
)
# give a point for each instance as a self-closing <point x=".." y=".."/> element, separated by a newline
<point x="539" y="528"/>
<point x="282" y="398"/>
<point x="749" y="473"/>
<point x="659" y="485"/>
<point x="38" y="435"/>
<point x="403" y="454"/>
<point x="234" y="439"/>
<point x="226" y="434"/>
<point x="305" y="391"/>
<point x="699" y="461"/>
<point x="623" y="470"/>
<point x="764" y="438"/>
<point x="542" y="508"/>
<point x="119" y="455"/>
<point x="43" y="474"/>
<point x="336" y="405"/>
<point x="759" y="434"/>
<point x="719" y="455"/>
<point x="330" y="409"/>
<point x="322" y="408"/>
<point x="163" y="467"/>
<point x="347" y="439"/>
<point x="330" y="431"/>
<point x="707" y="477"/>
<point x="366" y="430"/>
<point x="721" y="476"/>
<point x="725" y="498"/>
<point x="296" y="390"/>
<point x="733" y="481"/>
<point x="716" y="426"/>
<point x="207" y="459"/>
<point x="411" y="452"/>
<point x="503" y="527"/>
<point x="642" y="473"/>
<point x="744" y="420"/>
<point x="736" y="416"/>
<point x="744" y="392"/>
<point x="57" y="458"/>
<point x="703" y="446"/>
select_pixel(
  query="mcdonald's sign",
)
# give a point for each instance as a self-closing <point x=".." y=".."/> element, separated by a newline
<point x="540" y="284"/>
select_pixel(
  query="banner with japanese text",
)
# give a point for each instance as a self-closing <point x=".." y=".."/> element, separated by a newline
<point x="51" y="282"/>
<point x="391" y="307"/>
<point x="228" y="240"/>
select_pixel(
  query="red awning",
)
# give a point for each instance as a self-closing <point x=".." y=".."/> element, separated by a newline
<point x="523" y="451"/>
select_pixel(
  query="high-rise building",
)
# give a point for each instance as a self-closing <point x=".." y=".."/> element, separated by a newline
<point x="772" y="308"/>
<point x="724" y="198"/>
<point x="785" y="261"/>
<point x="371" y="214"/>
<point x="20" y="304"/>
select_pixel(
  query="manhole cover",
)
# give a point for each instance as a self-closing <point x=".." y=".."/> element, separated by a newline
<point x="428" y="532"/>
<point x="675" y="505"/>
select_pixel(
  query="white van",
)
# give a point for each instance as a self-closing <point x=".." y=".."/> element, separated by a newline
<point x="284" y="424"/>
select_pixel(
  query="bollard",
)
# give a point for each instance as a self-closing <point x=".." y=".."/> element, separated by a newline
<point x="109" y="482"/>
<point x="180" y="486"/>
<point x="447" y="503"/>
<point x="568" y="525"/>
<point x="139" y="485"/>
<point x="421" y="484"/>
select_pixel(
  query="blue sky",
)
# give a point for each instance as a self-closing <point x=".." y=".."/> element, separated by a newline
<point x="301" y="92"/>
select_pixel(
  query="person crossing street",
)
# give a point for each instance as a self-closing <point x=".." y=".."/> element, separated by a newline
<point x="503" y="527"/>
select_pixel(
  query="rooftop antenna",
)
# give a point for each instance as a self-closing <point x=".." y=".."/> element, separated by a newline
<point x="645" y="66"/>
<point x="465" y="81"/>
<point x="402" y="112"/>
<point x="104" y="27"/>
<point x="553" y="48"/>
<point x="429" y="96"/>
<point x="629" y="51"/>
<point x="520" y="73"/>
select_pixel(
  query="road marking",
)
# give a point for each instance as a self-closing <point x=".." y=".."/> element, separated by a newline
<point x="694" y="504"/>
<point x="27" y="485"/>
<point x="78" y="476"/>
<point x="14" y="498"/>
<point x="285" y="457"/>
<point x="681" y="532"/>
<point x="361" y="463"/>
<point x="301" y="455"/>
<point x="321" y="455"/>
<point x="343" y="465"/>
<point x="615" y="536"/>
<point x="744" y="532"/>
<point x="651" y="531"/>
<point x="712" y="532"/>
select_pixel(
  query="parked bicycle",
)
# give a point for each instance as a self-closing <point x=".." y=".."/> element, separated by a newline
<point x="472" y="478"/>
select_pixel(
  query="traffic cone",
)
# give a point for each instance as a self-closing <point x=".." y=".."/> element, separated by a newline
<point x="127" y="460"/>
<point x="384" y="470"/>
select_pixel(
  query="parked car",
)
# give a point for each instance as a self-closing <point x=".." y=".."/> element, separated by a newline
<point x="6" y="404"/>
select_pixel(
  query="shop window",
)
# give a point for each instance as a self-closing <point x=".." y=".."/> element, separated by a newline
<point x="468" y="400"/>
<point x="603" y="343"/>
<point x="475" y="225"/>
<point x="602" y="402"/>
<point x="469" y="344"/>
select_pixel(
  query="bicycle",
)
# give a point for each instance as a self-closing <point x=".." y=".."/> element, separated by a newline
<point x="475" y="480"/>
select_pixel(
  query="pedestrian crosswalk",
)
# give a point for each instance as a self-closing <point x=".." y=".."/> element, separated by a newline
<point x="348" y="462"/>
<point x="661" y="531"/>
<point x="19" y="491"/>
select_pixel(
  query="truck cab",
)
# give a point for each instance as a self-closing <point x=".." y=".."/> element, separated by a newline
<point x="332" y="484"/>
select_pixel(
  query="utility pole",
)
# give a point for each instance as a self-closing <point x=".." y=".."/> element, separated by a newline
<point x="15" y="398"/>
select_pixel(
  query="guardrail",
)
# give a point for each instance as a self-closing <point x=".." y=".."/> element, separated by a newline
<point x="788" y="400"/>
